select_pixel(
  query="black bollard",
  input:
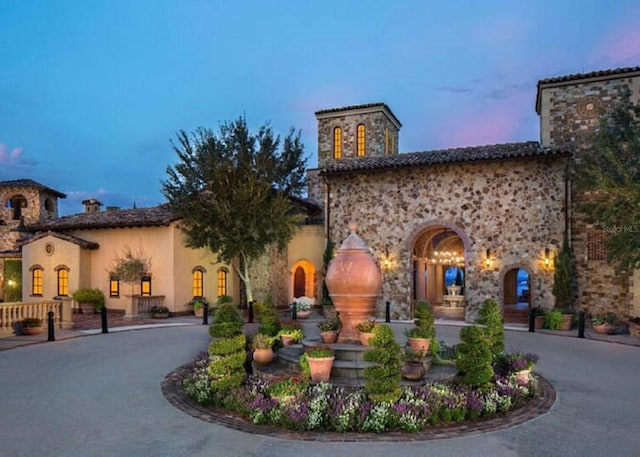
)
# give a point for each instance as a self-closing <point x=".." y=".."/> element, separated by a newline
<point x="532" y="319"/>
<point x="251" y="312"/>
<point x="387" y="312"/>
<point x="581" y="319"/>
<point x="294" y="312"/>
<point x="103" y="315"/>
<point x="205" y="314"/>
<point x="51" y="336"/>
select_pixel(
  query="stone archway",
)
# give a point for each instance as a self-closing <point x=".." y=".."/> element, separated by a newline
<point x="438" y="254"/>
<point x="303" y="279"/>
<point x="516" y="293"/>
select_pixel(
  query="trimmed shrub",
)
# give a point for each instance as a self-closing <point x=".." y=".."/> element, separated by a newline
<point x="473" y="357"/>
<point x="491" y="317"/>
<point x="267" y="317"/>
<point x="226" y="368"/>
<point x="553" y="320"/>
<point x="382" y="382"/>
<point x="227" y="322"/>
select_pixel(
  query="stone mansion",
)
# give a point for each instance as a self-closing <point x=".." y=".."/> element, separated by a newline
<point x="487" y="218"/>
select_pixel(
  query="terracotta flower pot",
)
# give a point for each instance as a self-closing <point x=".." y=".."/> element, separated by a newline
<point x="419" y="345"/>
<point x="198" y="312"/>
<point x="539" y="322"/>
<point x="287" y="340"/>
<point x="523" y="376"/>
<point x="365" y="337"/>
<point x="263" y="356"/>
<point x="413" y="371"/>
<point x="320" y="368"/>
<point x="303" y="314"/>
<point x="567" y="321"/>
<point x="329" y="337"/>
<point x="605" y="328"/>
<point x="160" y="315"/>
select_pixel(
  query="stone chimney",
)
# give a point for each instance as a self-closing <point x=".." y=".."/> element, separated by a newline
<point x="91" y="205"/>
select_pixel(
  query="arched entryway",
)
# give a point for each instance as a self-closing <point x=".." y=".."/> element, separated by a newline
<point x="303" y="283"/>
<point x="439" y="270"/>
<point x="516" y="295"/>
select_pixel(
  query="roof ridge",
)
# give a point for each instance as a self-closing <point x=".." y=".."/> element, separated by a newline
<point x="587" y="75"/>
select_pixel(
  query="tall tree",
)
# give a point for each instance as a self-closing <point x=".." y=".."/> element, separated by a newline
<point x="607" y="178"/>
<point x="235" y="191"/>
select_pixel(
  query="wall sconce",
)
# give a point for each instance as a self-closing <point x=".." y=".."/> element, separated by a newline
<point x="386" y="262"/>
<point x="487" y="260"/>
<point x="547" y="258"/>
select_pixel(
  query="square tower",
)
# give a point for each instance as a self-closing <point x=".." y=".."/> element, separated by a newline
<point x="358" y="131"/>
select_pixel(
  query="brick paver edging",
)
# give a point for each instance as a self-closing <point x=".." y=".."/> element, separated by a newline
<point x="536" y="406"/>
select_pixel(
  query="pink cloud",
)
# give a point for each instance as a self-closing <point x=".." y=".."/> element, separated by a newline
<point x="10" y="158"/>
<point x="622" y="45"/>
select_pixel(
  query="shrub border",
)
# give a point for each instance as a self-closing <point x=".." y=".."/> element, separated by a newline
<point x="173" y="392"/>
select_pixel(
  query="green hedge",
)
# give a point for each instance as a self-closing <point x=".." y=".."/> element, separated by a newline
<point x="12" y="272"/>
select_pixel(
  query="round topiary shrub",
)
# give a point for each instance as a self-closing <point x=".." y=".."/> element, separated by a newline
<point x="382" y="382"/>
<point x="226" y="322"/>
<point x="473" y="357"/>
<point x="226" y="368"/>
<point x="491" y="318"/>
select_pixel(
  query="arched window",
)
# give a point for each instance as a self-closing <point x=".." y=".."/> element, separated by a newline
<point x="198" y="282"/>
<point x="360" y="144"/>
<point x="337" y="143"/>
<point x="222" y="282"/>
<point x="63" y="281"/>
<point x="50" y="208"/>
<point x="114" y="286"/>
<point x="37" y="281"/>
<point x="16" y="203"/>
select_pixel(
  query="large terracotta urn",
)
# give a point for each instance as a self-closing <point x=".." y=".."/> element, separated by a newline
<point x="354" y="281"/>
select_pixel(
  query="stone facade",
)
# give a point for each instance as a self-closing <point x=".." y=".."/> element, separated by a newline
<point x="514" y="208"/>
<point x="569" y="109"/>
<point x="381" y="127"/>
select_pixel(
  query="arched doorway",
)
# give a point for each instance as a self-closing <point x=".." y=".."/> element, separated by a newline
<point x="516" y="295"/>
<point x="303" y="280"/>
<point x="439" y="270"/>
<point x="299" y="283"/>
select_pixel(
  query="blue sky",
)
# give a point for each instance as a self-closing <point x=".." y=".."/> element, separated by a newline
<point x="92" y="92"/>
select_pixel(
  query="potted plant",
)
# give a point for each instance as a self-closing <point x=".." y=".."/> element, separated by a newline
<point x="539" y="318"/>
<point x="365" y="329"/>
<point x="90" y="301"/>
<point x="197" y="304"/>
<point x="320" y="360"/>
<point x="160" y="312"/>
<point x="263" y="348"/>
<point x="303" y="306"/>
<point x="553" y="320"/>
<point x="634" y="327"/>
<point x="412" y="368"/>
<point x="606" y="325"/>
<point x="31" y="326"/>
<point x="518" y="364"/>
<point x="419" y="337"/>
<point x="290" y="333"/>
<point x="329" y="330"/>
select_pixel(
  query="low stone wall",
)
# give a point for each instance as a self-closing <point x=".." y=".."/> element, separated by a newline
<point x="11" y="314"/>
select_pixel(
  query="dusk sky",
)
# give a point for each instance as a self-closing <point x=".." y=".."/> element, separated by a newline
<point x="92" y="92"/>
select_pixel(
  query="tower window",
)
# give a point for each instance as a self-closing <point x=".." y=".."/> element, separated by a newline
<point x="337" y="143"/>
<point x="386" y="140"/>
<point x="360" y="145"/>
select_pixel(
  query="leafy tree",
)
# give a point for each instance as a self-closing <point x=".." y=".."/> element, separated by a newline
<point x="607" y="180"/>
<point x="236" y="191"/>
<point x="563" y="278"/>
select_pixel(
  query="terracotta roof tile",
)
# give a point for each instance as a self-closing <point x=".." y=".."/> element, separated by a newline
<point x="592" y="74"/>
<point x="66" y="237"/>
<point x="33" y="184"/>
<point x="495" y="152"/>
<point x="139" y="217"/>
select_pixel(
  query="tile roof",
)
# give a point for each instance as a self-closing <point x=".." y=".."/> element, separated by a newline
<point x="156" y="216"/>
<point x="381" y="105"/>
<point x="592" y="74"/>
<point x="494" y="152"/>
<point x="33" y="184"/>
<point x="66" y="237"/>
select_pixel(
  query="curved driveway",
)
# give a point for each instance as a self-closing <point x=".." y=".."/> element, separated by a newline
<point x="100" y="396"/>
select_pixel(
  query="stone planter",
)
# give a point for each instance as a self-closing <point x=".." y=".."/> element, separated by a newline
<point x="198" y="312"/>
<point x="263" y="356"/>
<point x="320" y="368"/>
<point x="419" y="345"/>
<point x="413" y="371"/>
<point x="365" y="337"/>
<point x="634" y="330"/>
<point x="87" y="308"/>
<point x="539" y="322"/>
<point x="567" y="322"/>
<point x="160" y="315"/>
<point x="303" y="314"/>
<point x="329" y="337"/>
<point x="30" y="331"/>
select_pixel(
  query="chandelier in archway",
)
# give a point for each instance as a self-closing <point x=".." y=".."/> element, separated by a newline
<point x="447" y="258"/>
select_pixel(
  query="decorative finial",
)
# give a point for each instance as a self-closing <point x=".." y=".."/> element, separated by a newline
<point x="353" y="226"/>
